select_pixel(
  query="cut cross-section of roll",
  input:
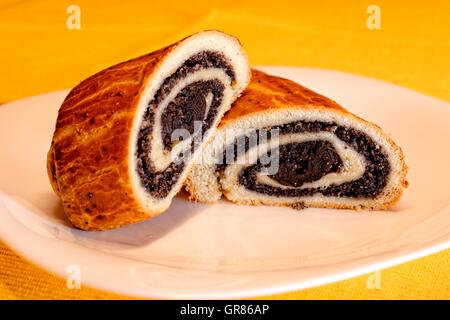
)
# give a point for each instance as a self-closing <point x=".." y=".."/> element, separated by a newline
<point x="125" y="138"/>
<point x="283" y="144"/>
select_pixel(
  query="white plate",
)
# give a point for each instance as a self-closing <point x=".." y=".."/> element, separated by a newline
<point x="225" y="250"/>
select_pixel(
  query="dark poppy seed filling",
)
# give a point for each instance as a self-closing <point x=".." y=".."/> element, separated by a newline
<point x="309" y="161"/>
<point x="189" y="105"/>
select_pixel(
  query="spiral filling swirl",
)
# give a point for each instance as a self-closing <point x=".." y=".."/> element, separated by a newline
<point x="313" y="157"/>
<point x="192" y="94"/>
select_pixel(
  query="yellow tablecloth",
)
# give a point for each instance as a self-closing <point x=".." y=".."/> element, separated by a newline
<point x="39" y="54"/>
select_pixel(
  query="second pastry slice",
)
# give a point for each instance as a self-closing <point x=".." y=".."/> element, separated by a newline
<point x="283" y="144"/>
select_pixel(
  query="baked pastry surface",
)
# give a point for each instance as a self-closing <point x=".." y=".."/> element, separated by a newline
<point x="126" y="136"/>
<point x="283" y="144"/>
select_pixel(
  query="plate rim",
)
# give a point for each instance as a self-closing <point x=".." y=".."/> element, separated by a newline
<point x="284" y="287"/>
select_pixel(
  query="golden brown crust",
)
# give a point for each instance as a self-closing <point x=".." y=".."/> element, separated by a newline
<point x="267" y="94"/>
<point x="88" y="158"/>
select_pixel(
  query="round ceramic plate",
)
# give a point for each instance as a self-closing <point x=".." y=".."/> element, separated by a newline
<point x="225" y="250"/>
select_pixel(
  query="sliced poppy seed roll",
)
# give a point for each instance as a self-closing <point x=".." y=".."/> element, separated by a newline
<point x="116" y="157"/>
<point x="283" y="144"/>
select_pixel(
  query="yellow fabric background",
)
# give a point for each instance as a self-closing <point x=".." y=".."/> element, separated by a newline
<point x="39" y="54"/>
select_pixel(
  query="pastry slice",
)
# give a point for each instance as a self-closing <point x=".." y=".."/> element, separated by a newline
<point x="285" y="145"/>
<point x="125" y="138"/>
